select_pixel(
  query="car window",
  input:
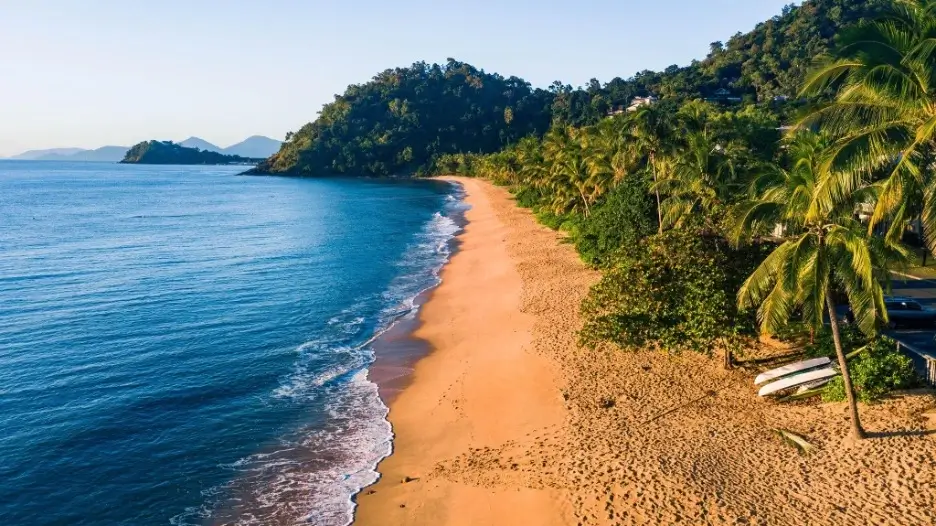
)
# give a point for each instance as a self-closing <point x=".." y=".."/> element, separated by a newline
<point x="894" y="306"/>
<point x="912" y="305"/>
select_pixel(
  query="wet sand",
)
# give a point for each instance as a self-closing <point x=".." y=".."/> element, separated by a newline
<point x="507" y="421"/>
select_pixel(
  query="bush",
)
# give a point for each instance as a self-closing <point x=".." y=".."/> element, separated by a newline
<point x="875" y="372"/>
<point x="527" y="197"/>
<point x="550" y="218"/>
<point x="625" y="217"/>
<point x="824" y="344"/>
<point x="675" y="291"/>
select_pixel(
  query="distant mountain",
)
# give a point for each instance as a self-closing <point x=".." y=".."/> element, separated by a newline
<point x="256" y="146"/>
<point x="201" y="144"/>
<point x="33" y="155"/>
<point x="168" y="152"/>
<point x="109" y="154"/>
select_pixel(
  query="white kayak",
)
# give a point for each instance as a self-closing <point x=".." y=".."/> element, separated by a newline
<point x="790" y="368"/>
<point x="797" y="379"/>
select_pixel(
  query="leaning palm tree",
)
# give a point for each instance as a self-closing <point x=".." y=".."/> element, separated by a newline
<point x="570" y="180"/>
<point x="883" y="114"/>
<point x="826" y="249"/>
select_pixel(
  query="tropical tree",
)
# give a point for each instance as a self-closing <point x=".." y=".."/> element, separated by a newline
<point x="826" y="250"/>
<point x="606" y="153"/>
<point x="883" y="114"/>
<point x="570" y="181"/>
<point x="648" y="132"/>
<point x="699" y="179"/>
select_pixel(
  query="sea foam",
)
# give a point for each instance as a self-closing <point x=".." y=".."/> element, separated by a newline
<point x="312" y="475"/>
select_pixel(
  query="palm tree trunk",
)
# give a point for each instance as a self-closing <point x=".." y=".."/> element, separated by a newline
<point x="729" y="359"/>
<point x="657" y="192"/>
<point x="585" y="201"/>
<point x="857" y="431"/>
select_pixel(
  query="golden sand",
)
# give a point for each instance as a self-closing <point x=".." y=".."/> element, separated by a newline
<point x="508" y="422"/>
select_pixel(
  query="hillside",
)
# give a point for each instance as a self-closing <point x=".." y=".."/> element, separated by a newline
<point x="168" y="152"/>
<point x="767" y="63"/>
<point x="404" y="119"/>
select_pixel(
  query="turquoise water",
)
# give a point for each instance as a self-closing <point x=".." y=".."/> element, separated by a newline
<point x="182" y="346"/>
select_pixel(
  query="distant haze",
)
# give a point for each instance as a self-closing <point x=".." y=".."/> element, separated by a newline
<point x="32" y="155"/>
<point x="255" y="146"/>
<point x="88" y="74"/>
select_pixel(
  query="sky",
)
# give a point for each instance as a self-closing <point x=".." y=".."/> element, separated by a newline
<point x="99" y="72"/>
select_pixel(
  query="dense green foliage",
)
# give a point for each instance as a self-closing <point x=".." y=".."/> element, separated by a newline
<point x="405" y="118"/>
<point x="418" y="119"/>
<point x="624" y="218"/>
<point x="875" y="372"/>
<point x="168" y="152"/>
<point x="673" y="291"/>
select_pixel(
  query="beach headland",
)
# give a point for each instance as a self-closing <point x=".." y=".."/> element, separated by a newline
<point x="507" y="421"/>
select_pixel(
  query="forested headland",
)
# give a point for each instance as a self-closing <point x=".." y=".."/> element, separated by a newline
<point x="168" y="152"/>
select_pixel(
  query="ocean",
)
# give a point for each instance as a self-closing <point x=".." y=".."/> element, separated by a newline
<point x="182" y="346"/>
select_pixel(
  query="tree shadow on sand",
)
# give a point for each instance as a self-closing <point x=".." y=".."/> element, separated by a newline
<point x="904" y="433"/>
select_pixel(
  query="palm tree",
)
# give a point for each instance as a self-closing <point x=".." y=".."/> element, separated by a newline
<point x="700" y="178"/>
<point x="826" y="248"/>
<point x="569" y="176"/>
<point x="883" y="114"/>
<point x="606" y="153"/>
<point x="648" y="132"/>
<point x="532" y="172"/>
<point x="778" y="196"/>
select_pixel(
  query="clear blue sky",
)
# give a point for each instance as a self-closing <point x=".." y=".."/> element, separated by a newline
<point x="99" y="72"/>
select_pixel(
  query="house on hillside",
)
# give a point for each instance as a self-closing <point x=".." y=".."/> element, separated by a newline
<point x="641" y="101"/>
<point x="615" y="110"/>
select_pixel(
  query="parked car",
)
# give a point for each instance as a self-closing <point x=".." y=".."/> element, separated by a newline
<point x="903" y="313"/>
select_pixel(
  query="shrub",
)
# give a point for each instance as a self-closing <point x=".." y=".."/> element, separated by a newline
<point x="527" y="197"/>
<point x="550" y="218"/>
<point x="875" y="372"/>
<point x="824" y="344"/>
<point x="626" y="216"/>
<point x="675" y="290"/>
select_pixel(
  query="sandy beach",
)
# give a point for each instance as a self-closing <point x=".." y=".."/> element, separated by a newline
<point x="507" y="421"/>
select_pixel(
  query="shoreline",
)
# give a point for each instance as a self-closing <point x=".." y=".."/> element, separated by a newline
<point x="476" y="306"/>
<point x="396" y="350"/>
<point x="508" y="421"/>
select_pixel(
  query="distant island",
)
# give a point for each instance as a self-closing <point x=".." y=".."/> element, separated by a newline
<point x="168" y="152"/>
<point x="253" y="147"/>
